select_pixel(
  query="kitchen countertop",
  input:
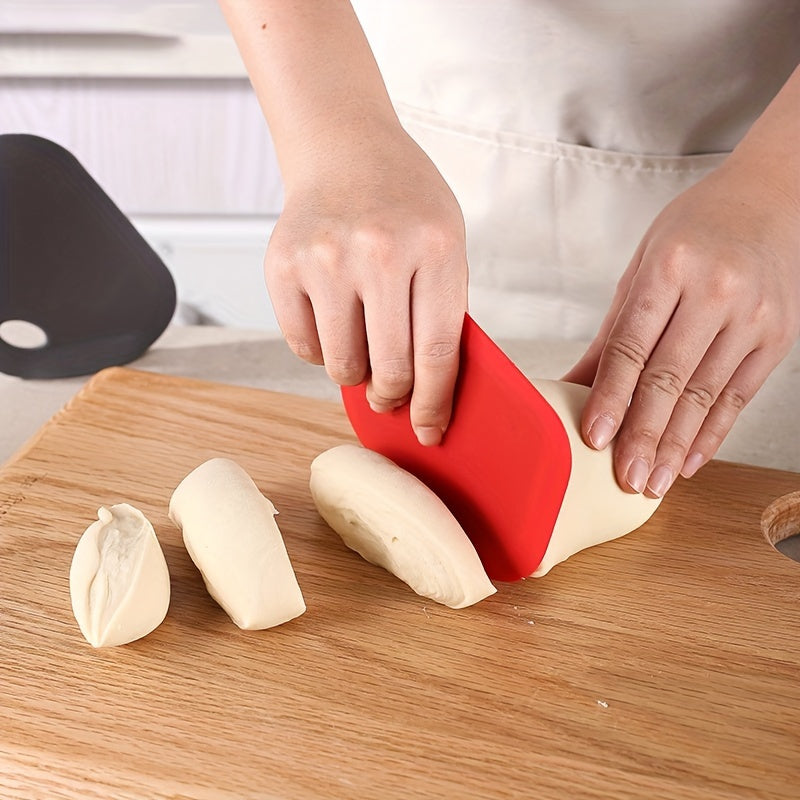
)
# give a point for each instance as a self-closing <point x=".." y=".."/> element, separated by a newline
<point x="767" y="433"/>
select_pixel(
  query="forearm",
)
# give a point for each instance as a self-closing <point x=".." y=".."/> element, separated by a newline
<point x="771" y="148"/>
<point x="312" y="70"/>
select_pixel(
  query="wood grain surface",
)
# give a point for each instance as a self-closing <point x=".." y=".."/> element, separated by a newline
<point x="662" y="665"/>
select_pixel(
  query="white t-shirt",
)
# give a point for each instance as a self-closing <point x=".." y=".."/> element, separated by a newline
<point x="564" y="127"/>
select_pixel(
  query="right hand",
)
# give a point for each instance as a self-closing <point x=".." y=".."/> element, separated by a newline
<point x="367" y="271"/>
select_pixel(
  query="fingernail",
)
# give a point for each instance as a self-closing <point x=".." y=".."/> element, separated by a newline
<point x="693" y="463"/>
<point x="638" y="472"/>
<point x="601" y="431"/>
<point x="660" y="481"/>
<point x="428" y="435"/>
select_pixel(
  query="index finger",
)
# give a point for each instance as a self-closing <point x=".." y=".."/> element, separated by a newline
<point x="642" y="318"/>
<point x="437" y="315"/>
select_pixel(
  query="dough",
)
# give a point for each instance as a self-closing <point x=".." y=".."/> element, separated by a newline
<point x="118" y="581"/>
<point x="230" y="531"/>
<point x="594" y="509"/>
<point x="394" y="520"/>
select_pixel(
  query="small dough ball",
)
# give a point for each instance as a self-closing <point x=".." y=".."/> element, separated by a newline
<point x="394" y="520"/>
<point x="230" y="532"/>
<point x="594" y="509"/>
<point x="118" y="581"/>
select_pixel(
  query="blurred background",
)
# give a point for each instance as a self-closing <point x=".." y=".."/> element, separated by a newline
<point x="153" y="100"/>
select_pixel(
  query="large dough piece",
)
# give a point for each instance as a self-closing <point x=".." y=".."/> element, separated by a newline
<point x="230" y="532"/>
<point x="594" y="508"/>
<point x="118" y="580"/>
<point x="394" y="520"/>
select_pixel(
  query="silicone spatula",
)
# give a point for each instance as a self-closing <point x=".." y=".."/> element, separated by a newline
<point x="503" y="465"/>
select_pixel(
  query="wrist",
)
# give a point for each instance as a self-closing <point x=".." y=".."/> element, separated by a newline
<point x="338" y="141"/>
<point x="768" y="154"/>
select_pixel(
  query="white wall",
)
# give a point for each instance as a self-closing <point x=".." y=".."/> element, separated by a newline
<point x="152" y="98"/>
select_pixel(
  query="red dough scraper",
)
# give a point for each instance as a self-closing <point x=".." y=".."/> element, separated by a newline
<point x="503" y="465"/>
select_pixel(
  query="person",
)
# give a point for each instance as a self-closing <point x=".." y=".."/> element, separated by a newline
<point x="577" y="137"/>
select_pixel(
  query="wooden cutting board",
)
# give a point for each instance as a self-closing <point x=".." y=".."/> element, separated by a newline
<point x="662" y="665"/>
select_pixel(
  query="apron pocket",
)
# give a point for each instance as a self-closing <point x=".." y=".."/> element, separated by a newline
<point x="550" y="226"/>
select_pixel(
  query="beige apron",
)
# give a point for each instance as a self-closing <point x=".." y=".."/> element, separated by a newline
<point x="564" y="127"/>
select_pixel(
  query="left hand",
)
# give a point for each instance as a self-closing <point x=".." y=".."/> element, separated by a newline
<point x="708" y="306"/>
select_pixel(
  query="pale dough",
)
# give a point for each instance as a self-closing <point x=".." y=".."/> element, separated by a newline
<point x="594" y="509"/>
<point x="118" y="580"/>
<point x="230" y="532"/>
<point x="394" y="520"/>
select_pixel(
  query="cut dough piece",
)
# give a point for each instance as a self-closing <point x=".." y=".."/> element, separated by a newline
<point x="118" y="581"/>
<point x="395" y="521"/>
<point x="230" y="531"/>
<point x="594" y="509"/>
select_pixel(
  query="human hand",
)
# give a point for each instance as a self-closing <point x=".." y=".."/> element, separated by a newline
<point x="367" y="265"/>
<point x="367" y="271"/>
<point x="708" y="306"/>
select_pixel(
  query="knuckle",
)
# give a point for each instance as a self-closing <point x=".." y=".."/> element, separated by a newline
<point x="293" y="263"/>
<point x="763" y="311"/>
<point x="382" y="244"/>
<point x="305" y="349"/>
<point x="679" y="259"/>
<point x="772" y="330"/>
<point x="775" y="322"/>
<point x="726" y="285"/>
<point x="628" y="352"/>
<point x="721" y="417"/>
<point x="344" y="370"/>
<point x="700" y="397"/>
<point x="672" y="446"/>
<point x="733" y="399"/>
<point x="325" y="253"/>
<point x="644" y="305"/>
<point x="437" y="351"/>
<point x="673" y="261"/>
<point x="279" y="265"/>
<point x="431" y="412"/>
<point x="662" y="380"/>
<point x="393" y="378"/>
<point x="439" y="240"/>
<point x="640" y="441"/>
<point x="712" y="434"/>
<point x="376" y="240"/>
<point x="646" y="438"/>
